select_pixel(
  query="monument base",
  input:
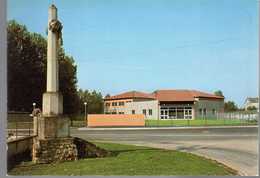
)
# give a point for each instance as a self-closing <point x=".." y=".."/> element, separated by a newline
<point x="54" y="150"/>
<point x="64" y="149"/>
<point x="53" y="127"/>
<point x="54" y="144"/>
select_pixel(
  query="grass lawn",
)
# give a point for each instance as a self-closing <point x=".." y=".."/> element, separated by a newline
<point x="199" y="122"/>
<point x="130" y="160"/>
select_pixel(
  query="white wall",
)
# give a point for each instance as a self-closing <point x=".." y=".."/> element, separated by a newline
<point x="138" y="106"/>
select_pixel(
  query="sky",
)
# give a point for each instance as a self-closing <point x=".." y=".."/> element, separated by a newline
<point x="145" y="45"/>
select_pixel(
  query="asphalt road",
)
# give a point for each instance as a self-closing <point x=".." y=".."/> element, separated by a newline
<point x="235" y="147"/>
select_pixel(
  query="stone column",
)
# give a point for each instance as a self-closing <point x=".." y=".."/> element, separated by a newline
<point x="52" y="99"/>
<point x="53" y="142"/>
<point x="53" y="124"/>
<point x="52" y="64"/>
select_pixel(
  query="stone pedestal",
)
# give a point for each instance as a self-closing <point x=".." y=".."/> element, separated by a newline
<point x="52" y="127"/>
<point x="52" y="103"/>
<point x="65" y="149"/>
<point x="54" y="150"/>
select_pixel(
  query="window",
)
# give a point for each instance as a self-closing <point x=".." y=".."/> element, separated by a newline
<point x="114" y="103"/>
<point x="133" y="111"/>
<point x="150" y="112"/>
<point x="204" y="111"/>
<point x="121" y="113"/>
<point x="121" y="103"/>
<point x="200" y="111"/>
<point x="213" y="111"/>
<point x="107" y="104"/>
<point x="113" y="112"/>
<point x="144" y="112"/>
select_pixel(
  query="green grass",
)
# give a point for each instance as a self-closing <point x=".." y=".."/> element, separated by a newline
<point x="155" y="122"/>
<point x="130" y="160"/>
<point x="198" y="122"/>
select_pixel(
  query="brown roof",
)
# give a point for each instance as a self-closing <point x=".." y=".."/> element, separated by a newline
<point x="131" y="95"/>
<point x="182" y="95"/>
<point x="166" y="95"/>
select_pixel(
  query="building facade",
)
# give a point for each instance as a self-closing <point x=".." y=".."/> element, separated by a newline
<point x="252" y="102"/>
<point x="166" y="104"/>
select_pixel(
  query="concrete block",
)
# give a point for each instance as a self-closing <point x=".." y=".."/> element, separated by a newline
<point x="53" y="127"/>
<point x="52" y="103"/>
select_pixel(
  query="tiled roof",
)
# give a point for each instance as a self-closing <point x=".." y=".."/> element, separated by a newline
<point x="131" y="95"/>
<point x="166" y="95"/>
<point x="183" y="95"/>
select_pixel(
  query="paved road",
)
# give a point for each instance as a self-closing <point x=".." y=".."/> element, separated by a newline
<point x="235" y="147"/>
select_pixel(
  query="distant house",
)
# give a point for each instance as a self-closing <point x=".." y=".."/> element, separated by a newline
<point x="165" y="104"/>
<point x="252" y="102"/>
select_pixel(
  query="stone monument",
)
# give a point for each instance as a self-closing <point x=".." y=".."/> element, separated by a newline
<point x="53" y="142"/>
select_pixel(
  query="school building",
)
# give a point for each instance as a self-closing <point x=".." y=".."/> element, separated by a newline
<point x="165" y="104"/>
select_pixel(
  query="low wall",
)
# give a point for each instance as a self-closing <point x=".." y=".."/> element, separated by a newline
<point x="19" y="150"/>
<point x="110" y="120"/>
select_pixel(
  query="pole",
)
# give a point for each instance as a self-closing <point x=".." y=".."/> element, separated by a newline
<point x="16" y="132"/>
<point x="29" y="128"/>
<point x="85" y="103"/>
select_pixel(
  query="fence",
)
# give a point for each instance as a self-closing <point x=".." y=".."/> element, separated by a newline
<point x="17" y="129"/>
<point x="220" y="119"/>
<point x="238" y="115"/>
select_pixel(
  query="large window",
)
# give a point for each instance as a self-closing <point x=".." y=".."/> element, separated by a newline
<point x="200" y="111"/>
<point x="107" y="104"/>
<point x="133" y="111"/>
<point x="179" y="112"/>
<point x="121" y="103"/>
<point x="144" y="112"/>
<point x="114" y="103"/>
<point x="150" y="112"/>
<point x="204" y="111"/>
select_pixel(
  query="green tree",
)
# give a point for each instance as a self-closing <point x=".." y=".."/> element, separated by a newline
<point x="27" y="63"/>
<point x="230" y="106"/>
<point x="218" y="93"/>
<point x="94" y="101"/>
<point x="251" y="108"/>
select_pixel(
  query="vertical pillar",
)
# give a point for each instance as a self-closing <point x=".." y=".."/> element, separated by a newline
<point x="52" y="50"/>
<point x="52" y="99"/>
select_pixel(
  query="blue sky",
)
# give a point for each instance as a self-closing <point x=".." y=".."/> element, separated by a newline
<point x="150" y="44"/>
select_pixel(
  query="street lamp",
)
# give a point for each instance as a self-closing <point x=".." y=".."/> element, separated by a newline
<point x="85" y="103"/>
<point x="34" y="104"/>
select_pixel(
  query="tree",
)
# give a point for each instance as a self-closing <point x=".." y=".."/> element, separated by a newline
<point x="27" y="63"/>
<point x="251" y="108"/>
<point x="107" y="96"/>
<point x="218" y="93"/>
<point x="230" y="106"/>
<point x="94" y="101"/>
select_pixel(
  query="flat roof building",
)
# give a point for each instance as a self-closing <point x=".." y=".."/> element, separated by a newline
<point x="165" y="104"/>
<point x="251" y="102"/>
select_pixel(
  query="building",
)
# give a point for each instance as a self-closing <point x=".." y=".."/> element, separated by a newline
<point x="165" y="104"/>
<point x="251" y="102"/>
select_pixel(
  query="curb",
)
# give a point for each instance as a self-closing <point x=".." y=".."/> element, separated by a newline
<point x="164" y="128"/>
